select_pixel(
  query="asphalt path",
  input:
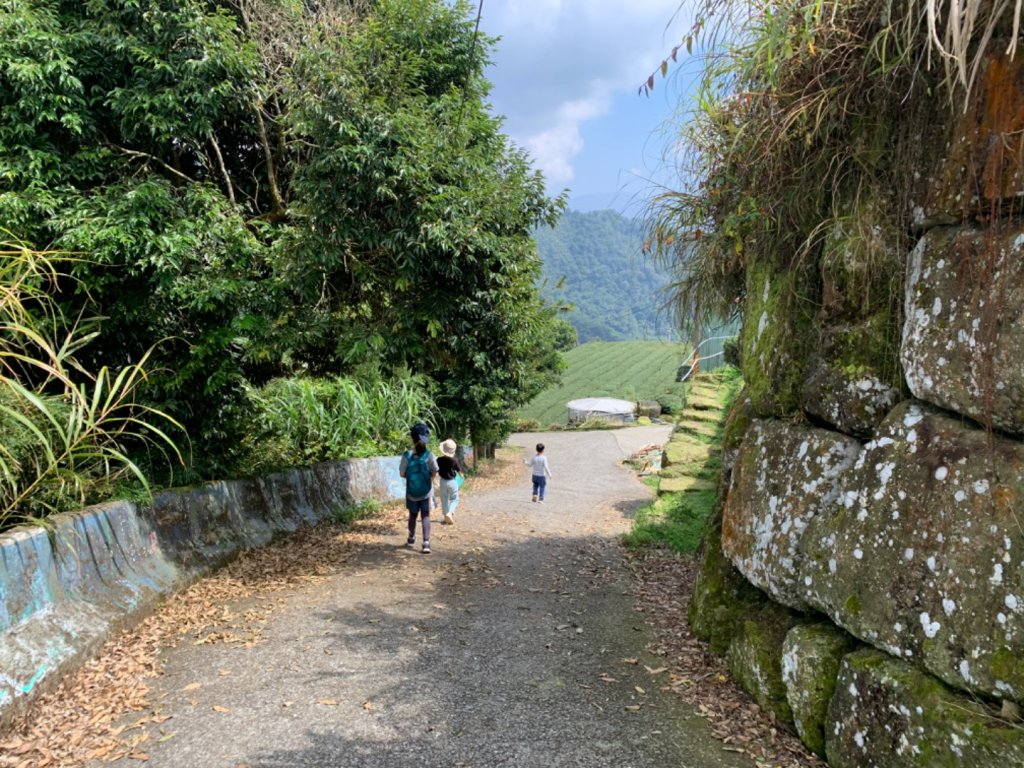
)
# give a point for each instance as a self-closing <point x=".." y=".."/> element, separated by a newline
<point x="514" y="644"/>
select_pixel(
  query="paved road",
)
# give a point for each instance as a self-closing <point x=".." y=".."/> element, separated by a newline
<point x="505" y="647"/>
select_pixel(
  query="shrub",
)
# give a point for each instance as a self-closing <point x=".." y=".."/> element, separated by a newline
<point x="300" y="421"/>
<point x="528" y="425"/>
<point x="670" y="404"/>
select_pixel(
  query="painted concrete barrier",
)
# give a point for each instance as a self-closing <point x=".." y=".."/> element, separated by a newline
<point x="65" y="590"/>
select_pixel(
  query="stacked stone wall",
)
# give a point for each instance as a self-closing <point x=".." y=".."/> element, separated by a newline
<point x="876" y="495"/>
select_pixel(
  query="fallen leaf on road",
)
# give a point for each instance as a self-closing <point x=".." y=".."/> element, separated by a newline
<point x="287" y="703"/>
<point x="632" y="707"/>
<point x="657" y="671"/>
<point x="218" y="708"/>
<point x="638" y="689"/>
<point x="368" y="706"/>
<point x="192" y="687"/>
<point x="327" y="702"/>
<point x="630" y="661"/>
<point x="140" y="756"/>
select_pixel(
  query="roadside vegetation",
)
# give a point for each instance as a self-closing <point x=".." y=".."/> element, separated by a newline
<point x="69" y="431"/>
<point x="808" y="113"/>
<point x="278" y="218"/>
<point x="675" y="520"/>
<point x="628" y="370"/>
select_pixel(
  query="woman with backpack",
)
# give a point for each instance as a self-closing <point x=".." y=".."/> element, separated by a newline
<point x="419" y="468"/>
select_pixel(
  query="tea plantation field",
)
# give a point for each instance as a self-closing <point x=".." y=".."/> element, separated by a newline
<point x="630" y="370"/>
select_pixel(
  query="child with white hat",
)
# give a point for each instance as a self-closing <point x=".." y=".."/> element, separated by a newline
<point x="450" y="472"/>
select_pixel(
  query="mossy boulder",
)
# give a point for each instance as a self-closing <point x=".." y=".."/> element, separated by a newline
<point x="649" y="408"/>
<point x="922" y="554"/>
<point x="721" y="598"/>
<point x="755" y="658"/>
<point x="775" y="338"/>
<point x="854" y="399"/>
<point x="887" y="714"/>
<point x="738" y="420"/>
<point x="862" y="264"/>
<point x="811" y="655"/>
<point x="963" y="337"/>
<point x="785" y="474"/>
<point x="854" y="378"/>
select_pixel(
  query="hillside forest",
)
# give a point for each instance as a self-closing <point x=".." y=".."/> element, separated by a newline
<point x="593" y="262"/>
<point x="227" y="221"/>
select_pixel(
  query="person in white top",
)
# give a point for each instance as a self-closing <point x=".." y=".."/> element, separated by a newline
<point x="539" y="468"/>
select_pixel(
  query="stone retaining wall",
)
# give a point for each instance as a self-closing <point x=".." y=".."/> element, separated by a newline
<point x="875" y="481"/>
<point x="64" y="591"/>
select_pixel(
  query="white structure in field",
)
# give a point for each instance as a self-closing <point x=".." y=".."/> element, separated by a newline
<point x="607" y="408"/>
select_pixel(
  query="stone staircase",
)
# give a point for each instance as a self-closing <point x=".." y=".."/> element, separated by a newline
<point x="690" y="459"/>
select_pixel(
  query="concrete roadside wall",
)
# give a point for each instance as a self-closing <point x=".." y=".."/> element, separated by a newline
<point x="64" y="591"/>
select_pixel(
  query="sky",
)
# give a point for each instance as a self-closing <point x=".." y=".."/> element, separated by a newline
<point x="565" y="76"/>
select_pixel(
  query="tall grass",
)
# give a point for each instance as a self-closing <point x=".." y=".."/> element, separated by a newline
<point x="299" y="421"/>
<point x="807" y="111"/>
<point x="65" y="431"/>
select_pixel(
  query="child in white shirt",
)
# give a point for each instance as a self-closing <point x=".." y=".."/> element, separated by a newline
<point x="540" y="471"/>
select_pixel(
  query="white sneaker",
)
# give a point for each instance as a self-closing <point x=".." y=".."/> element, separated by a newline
<point x="448" y="520"/>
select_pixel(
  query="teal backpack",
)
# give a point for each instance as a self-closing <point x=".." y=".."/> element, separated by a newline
<point x="417" y="475"/>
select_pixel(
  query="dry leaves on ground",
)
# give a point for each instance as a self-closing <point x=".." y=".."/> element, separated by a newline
<point x="664" y="582"/>
<point x="83" y="719"/>
<point x="503" y="470"/>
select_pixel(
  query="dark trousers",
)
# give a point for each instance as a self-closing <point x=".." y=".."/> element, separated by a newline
<point x="419" y="508"/>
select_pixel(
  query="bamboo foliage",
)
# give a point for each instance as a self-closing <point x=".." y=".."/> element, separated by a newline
<point x="64" y="431"/>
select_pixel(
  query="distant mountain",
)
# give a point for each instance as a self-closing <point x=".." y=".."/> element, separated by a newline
<point x="616" y="291"/>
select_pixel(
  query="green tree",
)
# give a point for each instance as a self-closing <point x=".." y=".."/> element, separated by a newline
<point x="277" y="188"/>
<point x="432" y="267"/>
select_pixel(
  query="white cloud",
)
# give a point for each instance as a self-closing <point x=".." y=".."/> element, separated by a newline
<point x="553" y="148"/>
<point x="560" y="62"/>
